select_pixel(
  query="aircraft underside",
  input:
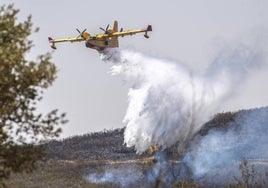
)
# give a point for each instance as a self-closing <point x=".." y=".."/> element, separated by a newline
<point x="102" y="44"/>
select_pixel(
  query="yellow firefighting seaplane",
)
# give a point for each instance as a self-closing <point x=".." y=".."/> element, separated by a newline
<point x="108" y="39"/>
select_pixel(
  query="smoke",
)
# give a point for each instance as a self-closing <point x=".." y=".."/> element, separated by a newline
<point x="123" y="176"/>
<point x="158" y="174"/>
<point x="216" y="156"/>
<point x="167" y="102"/>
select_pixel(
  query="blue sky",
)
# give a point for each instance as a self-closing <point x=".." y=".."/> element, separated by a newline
<point x="189" y="32"/>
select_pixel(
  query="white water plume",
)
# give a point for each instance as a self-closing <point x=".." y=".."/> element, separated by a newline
<point x="167" y="102"/>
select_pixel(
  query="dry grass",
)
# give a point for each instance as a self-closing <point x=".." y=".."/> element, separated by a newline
<point x="69" y="160"/>
<point x="57" y="173"/>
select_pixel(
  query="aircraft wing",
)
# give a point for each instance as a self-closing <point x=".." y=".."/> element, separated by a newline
<point x="132" y="32"/>
<point x="70" y="39"/>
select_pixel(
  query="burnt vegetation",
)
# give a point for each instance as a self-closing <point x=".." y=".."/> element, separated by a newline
<point x="109" y="144"/>
<point x="105" y="145"/>
<point x="68" y="160"/>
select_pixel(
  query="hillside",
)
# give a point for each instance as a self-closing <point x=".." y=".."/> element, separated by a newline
<point x="109" y="144"/>
<point x="71" y="159"/>
<point x="94" y="146"/>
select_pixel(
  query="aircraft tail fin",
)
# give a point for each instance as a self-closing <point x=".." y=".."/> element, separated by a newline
<point x="115" y="27"/>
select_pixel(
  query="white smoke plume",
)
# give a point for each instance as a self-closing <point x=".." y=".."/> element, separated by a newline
<point x="167" y="102"/>
<point x="123" y="176"/>
<point x="215" y="157"/>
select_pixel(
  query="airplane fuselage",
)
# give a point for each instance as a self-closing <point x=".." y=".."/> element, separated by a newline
<point x="102" y="43"/>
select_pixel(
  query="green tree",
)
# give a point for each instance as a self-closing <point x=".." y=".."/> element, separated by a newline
<point x="22" y="83"/>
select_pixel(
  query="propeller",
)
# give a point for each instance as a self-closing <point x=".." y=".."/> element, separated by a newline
<point x="105" y="30"/>
<point x="80" y="33"/>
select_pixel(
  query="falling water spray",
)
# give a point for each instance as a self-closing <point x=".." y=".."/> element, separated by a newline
<point x="167" y="103"/>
